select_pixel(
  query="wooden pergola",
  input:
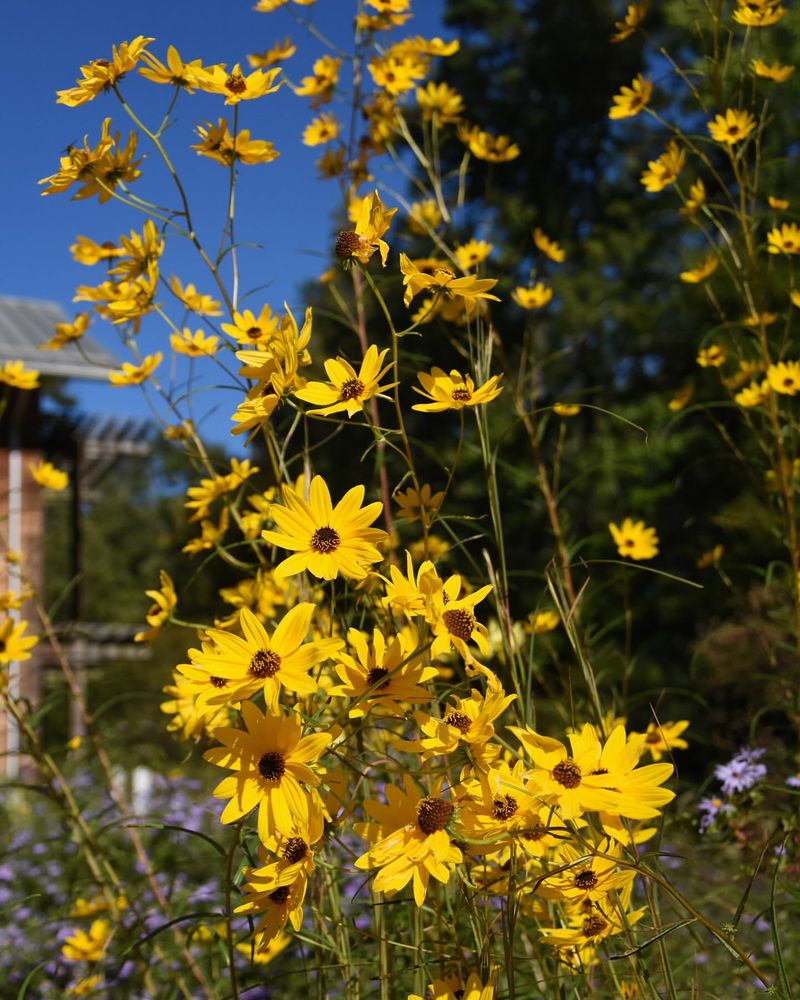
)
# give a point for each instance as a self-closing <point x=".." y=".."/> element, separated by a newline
<point x="87" y="448"/>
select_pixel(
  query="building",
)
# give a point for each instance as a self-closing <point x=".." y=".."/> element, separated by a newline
<point x="86" y="448"/>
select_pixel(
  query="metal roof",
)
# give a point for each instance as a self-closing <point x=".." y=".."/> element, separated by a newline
<point x="27" y="323"/>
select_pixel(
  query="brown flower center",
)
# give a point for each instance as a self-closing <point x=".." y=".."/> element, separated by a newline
<point x="272" y="766"/>
<point x="295" y="849"/>
<point x="586" y="879"/>
<point x="265" y="663"/>
<point x="567" y="773"/>
<point x="376" y="674"/>
<point x="504" y="807"/>
<point x="459" y="721"/>
<point x="325" y="540"/>
<point x="461" y="394"/>
<point x="280" y="895"/>
<point x="433" y="814"/>
<point x="653" y="737"/>
<point x="594" y="925"/>
<point x="253" y="332"/>
<point x="218" y="682"/>
<point x="351" y="389"/>
<point x="235" y="83"/>
<point x="459" y="622"/>
<point x="347" y="243"/>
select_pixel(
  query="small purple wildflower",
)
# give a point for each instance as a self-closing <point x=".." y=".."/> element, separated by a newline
<point x="710" y="807"/>
<point x="742" y="771"/>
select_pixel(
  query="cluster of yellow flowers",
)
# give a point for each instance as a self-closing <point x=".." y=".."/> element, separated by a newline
<point x="334" y="665"/>
<point x="569" y="813"/>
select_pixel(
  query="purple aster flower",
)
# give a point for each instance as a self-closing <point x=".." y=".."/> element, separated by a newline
<point x="742" y="771"/>
<point x="710" y="807"/>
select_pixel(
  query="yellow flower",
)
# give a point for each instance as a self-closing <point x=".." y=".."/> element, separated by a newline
<point x="471" y="254"/>
<point x="87" y="252"/>
<point x="779" y="204"/>
<point x="83" y="947"/>
<point x="218" y="144"/>
<point x="663" y="738"/>
<point x="322" y="129"/>
<point x="681" y="398"/>
<point x="409" y="840"/>
<point x="440" y="102"/>
<point x="396" y="72"/>
<point x="326" y="540"/>
<point x="703" y="270"/>
<point x="383" y="675"/>
<point x="424" y="216"/>
<point x="122" y="301"/>
<point x="776" y="72"/>
<point x="99" y="169"/>
<point x="279" y="52"/>
<point x="664" y="171"/>
<point x="258" y="662"/>
<point x="753" y="395"/>
<point x="566" y="409"/>
<point x="784" y="239"/>
<point x="203" y="305"/>
<point x="164" y="601"/>
<point x="271" y="761"/>
<point x="195" y="345"/>
<point x="102" y="74"/>
<point x="235" y="87"/>
<point x="15" y="374"/>
<point x="190" y="721"/>
<point x="758" y="13"/>
<point x="261" y="952"/>
<point x="348" y="389"/>
<point x="321" y="85"/>
<point x="634" y="540"/>
<point x="452" y="619"/>
<point x="14" y="644"/>
<point x="453" y="391"/>
<point x="732" y="127"/>
<point x="251" y="330"/>
<point x="596" y="777"/>
<point x="416" y="505"/>
<point x="139" y="252"/>
<point x="542" y="622"/>
<point x="455" y="988"/>
<point x="48" y="475"/>
<point x="176" y="73"/>
<point x="697" y="197"/>
<point x="548" y="247"/>
<point x="276" y="892"/>
<point x="630" y="100"/>
<point x="710" y="558"/>
<point x="267" y="6"/>
<point x="533" y="298"/>
<point x="65" y="333"/>
<point x="443" y="281"/>
<point x="136" y="374"/>
<point x="634" y="16"/>
<point x="712" y="356"/>
<point x="372" y="222"/>
<point x="485" y="146"/>
<point x="784" y="377"/>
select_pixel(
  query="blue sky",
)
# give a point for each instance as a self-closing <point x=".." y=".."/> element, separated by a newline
<point x="281" y="206"/>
